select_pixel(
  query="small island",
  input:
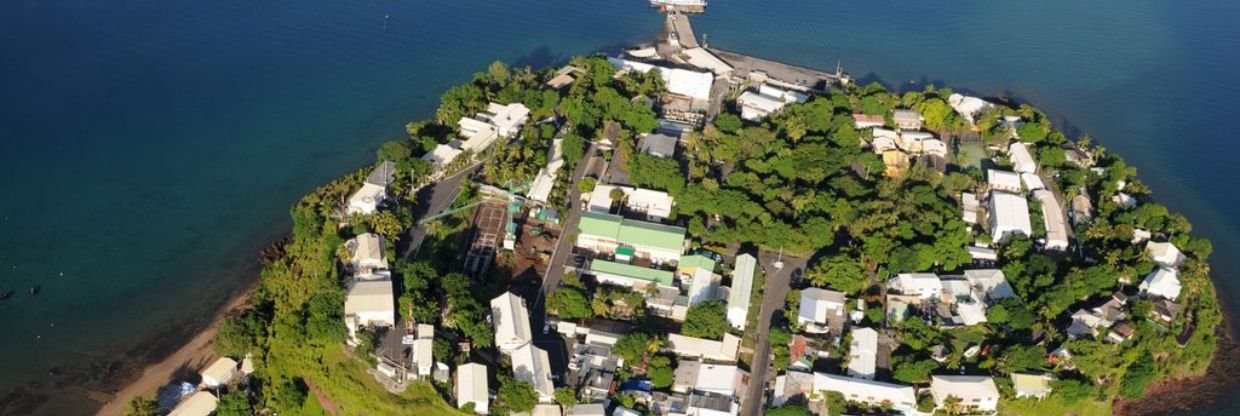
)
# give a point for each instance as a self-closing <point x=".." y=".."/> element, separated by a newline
<point x="685" y="230"/>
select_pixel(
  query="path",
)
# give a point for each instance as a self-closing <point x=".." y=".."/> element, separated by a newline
<point x="774" y="295"/>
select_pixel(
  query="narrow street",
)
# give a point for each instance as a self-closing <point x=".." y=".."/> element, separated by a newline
<point x="774" y="295"/>
<point x="564" y="246"/>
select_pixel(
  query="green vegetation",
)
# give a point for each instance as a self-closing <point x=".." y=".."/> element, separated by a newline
<point x="706" y="320"/>
<point x="514" y="396"/>
<point x="234" y="404"/>
<point x="142" y="406"/>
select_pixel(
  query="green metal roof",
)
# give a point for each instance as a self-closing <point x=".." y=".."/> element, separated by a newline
<point x="626" y="251"/>
<point x="632" y="232"/>
<point x="653" y="235"/>
<point x="662" y="277"/>
<point x="696" y="261"/>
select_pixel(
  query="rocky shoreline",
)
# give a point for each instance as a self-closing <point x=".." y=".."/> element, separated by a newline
<point x="1177" y="396"/>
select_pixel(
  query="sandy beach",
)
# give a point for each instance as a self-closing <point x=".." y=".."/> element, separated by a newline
<point x="192" y="356"/>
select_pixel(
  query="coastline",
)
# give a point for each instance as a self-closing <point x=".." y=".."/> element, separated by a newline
<point x="1176" y="396"/>
<point x="191" y="356"/>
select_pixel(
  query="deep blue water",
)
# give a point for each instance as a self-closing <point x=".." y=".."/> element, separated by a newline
<point x="148" y="149"/>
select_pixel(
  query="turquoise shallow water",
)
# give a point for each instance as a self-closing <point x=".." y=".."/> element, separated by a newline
<point x="148" y="149"/>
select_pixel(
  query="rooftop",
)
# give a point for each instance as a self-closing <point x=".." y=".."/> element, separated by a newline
<point x="661" y="277"/>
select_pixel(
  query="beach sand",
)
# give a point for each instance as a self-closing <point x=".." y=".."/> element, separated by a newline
<point x="191" y="357"/>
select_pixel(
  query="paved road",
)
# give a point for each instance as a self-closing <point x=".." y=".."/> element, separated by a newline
<point x="432" y="200"/>
<point x="774" y="295"/>
<point x="564" y="246"/>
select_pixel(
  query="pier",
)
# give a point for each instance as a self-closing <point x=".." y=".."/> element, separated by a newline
<point x="782" y="74"/>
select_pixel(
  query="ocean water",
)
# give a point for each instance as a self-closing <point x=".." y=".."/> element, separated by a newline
<point x="149" y="149"/>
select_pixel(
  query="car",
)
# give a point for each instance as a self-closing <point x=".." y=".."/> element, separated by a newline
<point x="546" y="329"/>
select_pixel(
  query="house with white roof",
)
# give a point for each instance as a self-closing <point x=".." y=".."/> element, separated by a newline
<point x="865" y="121"/>
<point x="532" y="365"/>
<point x="655" y="205"/>
<point x="742" y="289"/>
<point x="702" y="58"/>
<point x="699" y="271"/>
<point x="862" y="353"/>
<point x="1022" y="160"/>
<point x="201" y="403"/>
<point x="884" y="140"/>
<point x="1089" y="321"/>
<point x="1032" y="181"/>
<point x="924" y="285"/>
<point x="722" y="379"/>
<point x="369" y="304"/>
<point x="219" y="373"/>
<point x="874" y="393"/>
<point x="1124" y="200"/>
<point x="970" y="206"/>
<point x="913" y="142"/>
<point x="822" y="310"/>
<point x="373" y="192"/>
<point x="659" y="145"/>
<point x="441" y="156"/>
<point x="1003" y="180"/>
<point x="471" y="387"/>
<point x="768" y="100"/>
<point x="1009" y="215"/>
<point x="1163" y="281"/>
<point x="989" y="285"/>
<point x="976" y="393"/>
<point x="1082" y="209"/>
<point x="907" y="119"/>
<point x="706" y="349"/>
<point x="423" y="351"/>
<point x="512" y="322"/>
<point x="692" y="85"/>
<point x="1165" y="254"/>
<point x="968" y="107"/>
<point x="1054" y="220"/>
<point x="544" y="183"/>
<point x="367" y="260"/>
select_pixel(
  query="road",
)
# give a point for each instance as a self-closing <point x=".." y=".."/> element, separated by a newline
<point x="563" y="246"/>
<point x="432" y="200"/>
<point x="774" y="295"/>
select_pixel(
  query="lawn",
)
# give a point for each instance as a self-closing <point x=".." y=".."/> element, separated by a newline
<point x="354" y="391"/>
<point x="1053" y="406"/>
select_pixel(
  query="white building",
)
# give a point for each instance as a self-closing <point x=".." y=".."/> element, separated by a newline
<point x="1032" y="181"/>
<point x="970" y="206"/>
<point x="369" y="304"/>
<point x="367" y="259"/>
<point x="690" y="84"/>
<point x="656" y="205"/>
<point x="862" y="353"/>
<point x="471" y="387"/>
<point x="706" y="349"/>
<point x="768" y="100"/>
<point x="968" y="107"/>
<point x="1009" y="215"/>
<point x="742" y="289"/>
<point x="1054" y="220"/>
<point x="512" y="322"/>
<point x="819" y="308"/>
<point x="201" y="403"/>
<point x="1163" y="281"/>
<point x="219" y="373"/>
<point x="989" y="285"/>
<point x="532" y="365"/>
<point x="907" y="119"/>
<point x="1003" y="180"/>
<point x="865" y="121"/>
<point x="874" y="393"/>
<point x="1022" y="160"/>
<point x="1165" y="254"/>
<point x="373" y="192"/>
<point x="924" y="285"/>
<point x="976" y="393"/>
<point x="543" y="184"/>
<point x="423" y="351"/>
<point x="722" y="379"/>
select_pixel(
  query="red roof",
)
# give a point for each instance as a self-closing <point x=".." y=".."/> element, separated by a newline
<point x="798" y="347"/>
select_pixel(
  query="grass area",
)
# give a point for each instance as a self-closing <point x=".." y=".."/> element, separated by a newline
<point x="354" y="391"/>
<point x="312" y="407"/>
<point x="1053" y="406"/>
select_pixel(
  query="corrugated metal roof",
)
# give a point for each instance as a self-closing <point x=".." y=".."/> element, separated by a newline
<point x="662" y="277"/>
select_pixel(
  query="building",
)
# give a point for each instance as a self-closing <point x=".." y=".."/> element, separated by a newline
<point x="512" y="322"/>
<point x="970" y="207"/>
<point x="699" y="271"/>
<point x="627" y="275"/>
<point x="1022" y="160"/>
<point x="373" y="192"/>
<point x="767" y="100"/>
<point x="544" y="183"/>
<point x="982" y="255"/>
<point x="587" y="409"/>
<point x="1003" y="180"/>
<point x="862" y="353"/>
<point x="1035" y="386"/>
<point x="471" y="387"/>
<point x="1124" y="200"/>
<point x="655" y="205"/>
<point x="367" y="260"/>
<point x="873" y="393"/>
<point x="926" y="286"/>
<point x="1089" y="321"/>
<point x="696" y="376"/>
<point x="822" y="311"/>
<point x="1054" y="220"/>
<point x="865" y="121"/>
<point x="423" y="351"/>
<point x="711" y="404"/>
<point x="913" y="142"/>
<point x="1032" y="181"/>
<point x="742" y="290"/>
<point x="883" y="140"/>
<point x="441" y="156"/>
<point x="1165" y="254"/>
<point x="592" y="370"/>
<point x="691" y="85"/>
<point x="709" y="350"/>
<point x="1165" y="310"/>
<point x="700" y="57"/>
<point x="907" y="119"/>
<point x="201" y="403"/>
<point x="369" y="304"/>
<point x="1009" y="216"/>
<point x="1082" y="209"/>
<point x="989" y="285"/>
<point x="792" y="385"/>
<point x="968" y="107"/>
<point x="1163" y="281"/>
<point x="976" y="393"/>
<point x="497" y="121"/>
<point x="659" y="145"/>
<point x="532" y="365"/>
<point x="626" y="239"/>
<point x="219" y="373"/>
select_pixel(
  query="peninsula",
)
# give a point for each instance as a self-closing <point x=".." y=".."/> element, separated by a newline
<point x="680" y="230"/>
